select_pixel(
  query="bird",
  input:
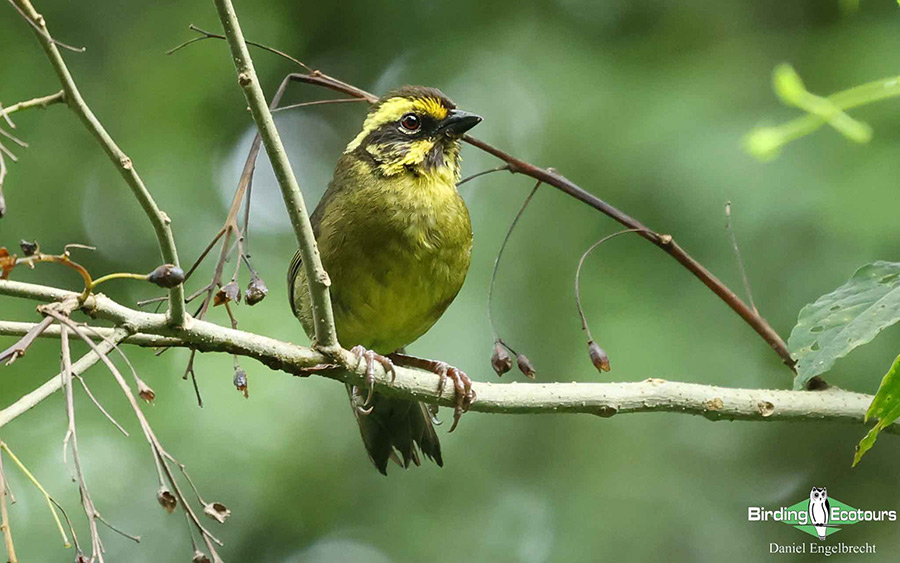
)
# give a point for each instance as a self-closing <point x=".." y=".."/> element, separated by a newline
<point x="395" y="238"/>
<point x="819" y="510"/>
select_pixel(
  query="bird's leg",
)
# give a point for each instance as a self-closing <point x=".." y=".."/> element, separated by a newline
<point x="465" y="395"/>
<point x="371" y="358"/>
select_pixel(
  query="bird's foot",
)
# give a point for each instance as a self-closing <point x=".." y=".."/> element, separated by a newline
<point x="465" y="395"/>
<point x="371" y="358"/>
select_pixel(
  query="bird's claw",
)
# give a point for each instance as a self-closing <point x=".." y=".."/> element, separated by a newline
<point x="465" y="395"/>
<point x="356" y="401"/>
<point x="371" y="358"/>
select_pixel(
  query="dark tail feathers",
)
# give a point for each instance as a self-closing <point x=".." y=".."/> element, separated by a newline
<point x="396" y="425"/>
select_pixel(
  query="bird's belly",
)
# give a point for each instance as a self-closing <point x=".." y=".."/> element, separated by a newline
<point x="389" y="297"/>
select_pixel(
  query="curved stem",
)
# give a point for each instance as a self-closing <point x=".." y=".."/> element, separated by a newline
<point x="584" y="323"/>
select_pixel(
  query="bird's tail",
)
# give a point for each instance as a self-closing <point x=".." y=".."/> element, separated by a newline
<point x="392" y="426"/>
<point x="822" y="531"/>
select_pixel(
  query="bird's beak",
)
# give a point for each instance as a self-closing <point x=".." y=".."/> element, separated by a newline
<point x="458" y="122"/>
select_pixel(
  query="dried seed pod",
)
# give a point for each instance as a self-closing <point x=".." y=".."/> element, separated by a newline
<point x="598" y="356"/>
<point x="166" y="499"/>
<point x="500" y="360"/>
<point x="217" y="511"/>
<point x="525" y="366"/>
<point x="240" y="381"/>
<point x="166" y="276"/>
<point x="256" y="291"/>
<point x="145" y="392"/>
<point x="7" y="263"/>
<point x="229" y="292"/>
<point x="29" y="248"/>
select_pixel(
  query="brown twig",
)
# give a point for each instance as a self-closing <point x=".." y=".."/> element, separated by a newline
<point x="18" y="349"/>
<point x="208" y="35"/>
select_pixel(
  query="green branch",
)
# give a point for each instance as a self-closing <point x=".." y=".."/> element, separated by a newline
<point x="323" y="318"/>
<point x="159" y="220"/>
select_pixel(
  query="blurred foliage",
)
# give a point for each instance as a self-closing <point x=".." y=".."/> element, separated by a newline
<point x="643" y="102"/>
<point x="766" y="142"/>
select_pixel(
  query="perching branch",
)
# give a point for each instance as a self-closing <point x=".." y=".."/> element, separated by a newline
<point x="323" y="318"/>
<point x="159" y="220"/>
<point x="602" y="399"/>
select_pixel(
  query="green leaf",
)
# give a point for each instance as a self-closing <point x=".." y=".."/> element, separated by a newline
<point x="885" y="407"/>
<point x="850" y="316"/>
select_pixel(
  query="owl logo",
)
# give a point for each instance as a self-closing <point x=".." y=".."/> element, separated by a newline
<point x="819" y="510"/>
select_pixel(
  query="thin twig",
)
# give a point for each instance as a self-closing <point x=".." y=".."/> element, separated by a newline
<point x="208" y="35"/>
<point x="17" y="140"/>
<point x="8" y="153"/>
<point x="2" y="178"/>
<point x="584" y="323"/>
<point x="94" y="400"/>
<point x="18" y="349"/>
<point x="4" y="517"/>
<point x="50" y="502"/>
<point x="317" y="103"/>
<point x="479" y="174"/>
<point x="71" y="434"/>
<point x="38" y="24"/>
<point x="512" y="226"/>
<point x="42" y="102"/>
<point x="737" y="254"/>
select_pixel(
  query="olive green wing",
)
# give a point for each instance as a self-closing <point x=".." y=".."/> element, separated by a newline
<point x="295" y="268"/>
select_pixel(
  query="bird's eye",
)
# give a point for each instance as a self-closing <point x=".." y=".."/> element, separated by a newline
<point x="410" y="122"/>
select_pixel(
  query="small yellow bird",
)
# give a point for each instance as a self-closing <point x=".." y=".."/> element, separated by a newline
<point x="396" y="240"/>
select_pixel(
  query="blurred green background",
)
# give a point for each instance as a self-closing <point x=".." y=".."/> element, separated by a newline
<point x="642" y="102"/>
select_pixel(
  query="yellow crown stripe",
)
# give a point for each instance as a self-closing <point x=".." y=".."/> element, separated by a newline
<point x="394" y="109"/>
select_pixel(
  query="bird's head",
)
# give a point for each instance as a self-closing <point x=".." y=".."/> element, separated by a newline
<point x="413" y="130"/>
